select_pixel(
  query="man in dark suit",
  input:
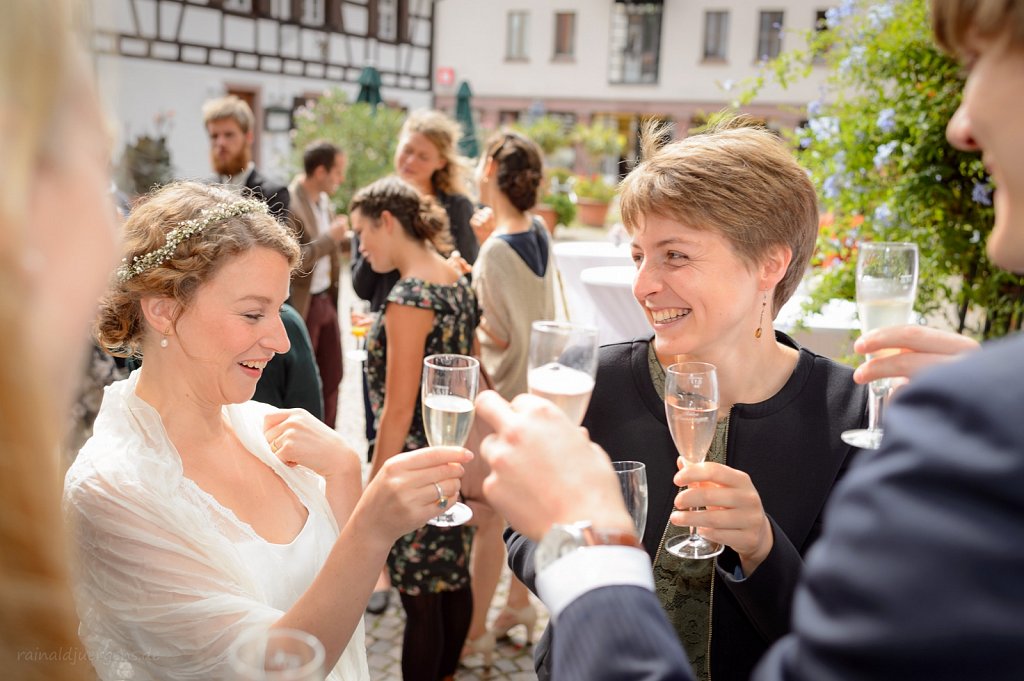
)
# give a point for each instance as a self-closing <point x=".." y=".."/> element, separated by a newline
<point x="917" y="574"/>
<point x="229" y="123"/>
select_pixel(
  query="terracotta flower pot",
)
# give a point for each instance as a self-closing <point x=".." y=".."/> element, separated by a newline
<point x="592" y="213"/>
<point x="547" y="214"/>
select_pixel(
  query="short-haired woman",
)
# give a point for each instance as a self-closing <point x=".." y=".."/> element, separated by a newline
<point x="723" y="225"/>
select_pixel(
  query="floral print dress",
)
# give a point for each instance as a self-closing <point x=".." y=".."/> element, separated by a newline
<point x="429" y="559"/>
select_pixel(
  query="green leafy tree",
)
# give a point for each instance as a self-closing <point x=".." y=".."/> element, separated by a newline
<point x="368" y="135"/>
<point x="875" y="146"/>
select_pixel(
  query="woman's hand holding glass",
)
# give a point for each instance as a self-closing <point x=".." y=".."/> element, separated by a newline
<point x="403" y="495"/>
<point x="733" y="514"/>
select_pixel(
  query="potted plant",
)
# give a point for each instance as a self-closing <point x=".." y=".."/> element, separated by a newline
<point x="593" y="196"/>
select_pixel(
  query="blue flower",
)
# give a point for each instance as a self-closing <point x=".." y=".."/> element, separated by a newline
<point x="975" y="237"/>
<point x="884" y="152"/>
<point x="886" y="120"/>
<point x="879" y="15"/>
<point x="830" y="187"/>
<point x="883" y="215"/>
<point x="855" y="56"/>
<point x="982" y="193"/>
<point x="824" y="128"/>
<point x="814" y="108"/>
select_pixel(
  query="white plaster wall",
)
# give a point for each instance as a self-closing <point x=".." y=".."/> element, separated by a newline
<point x="479" y="55"/>
<point x="136" y="90"/>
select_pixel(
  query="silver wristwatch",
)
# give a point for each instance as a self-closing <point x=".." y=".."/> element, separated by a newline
<point x="562" y="540"/>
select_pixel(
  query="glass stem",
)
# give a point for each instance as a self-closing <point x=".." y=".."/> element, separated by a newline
<point x="879" y="390"/>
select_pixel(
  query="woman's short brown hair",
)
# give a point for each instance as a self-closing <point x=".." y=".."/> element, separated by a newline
<point x="954" y="20"/>
<point x="120" y="328"/>
<point x="735" y="179"/>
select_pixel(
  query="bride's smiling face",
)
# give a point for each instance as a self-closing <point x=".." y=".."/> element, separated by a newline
<point x="232" y="328"/>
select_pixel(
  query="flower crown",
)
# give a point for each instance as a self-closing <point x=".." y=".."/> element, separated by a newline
<point x="183" y="231"/>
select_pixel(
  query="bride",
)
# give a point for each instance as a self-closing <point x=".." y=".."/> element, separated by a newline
<point x="198" y="514"/>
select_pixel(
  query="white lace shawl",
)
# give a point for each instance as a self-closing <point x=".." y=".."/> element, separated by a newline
<point x="160" y="588"/>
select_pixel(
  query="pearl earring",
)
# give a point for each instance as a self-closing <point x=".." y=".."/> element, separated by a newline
<point x="163" y="342"/>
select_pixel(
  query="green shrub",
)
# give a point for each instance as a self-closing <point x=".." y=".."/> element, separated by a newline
<point x="875" y="146"/>
<point x="367" y="136"/>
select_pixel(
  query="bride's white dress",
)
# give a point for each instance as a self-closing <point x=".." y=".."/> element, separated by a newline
<point x="167" y="578"/>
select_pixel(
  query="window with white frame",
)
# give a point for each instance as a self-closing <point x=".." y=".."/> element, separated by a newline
<point x="716" y="35"/>
<point x="516" y="35"/>
<point x="387" y="20"/>
<point x="769" y="35"/>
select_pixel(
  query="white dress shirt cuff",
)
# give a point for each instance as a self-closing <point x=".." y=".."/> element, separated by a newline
<point x="589" y="568"/>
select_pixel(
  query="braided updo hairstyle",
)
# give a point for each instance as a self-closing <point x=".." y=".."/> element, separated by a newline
<point x="520" y="167"/>
<point x="120" y="326"/>
<point x="422" y="218"/>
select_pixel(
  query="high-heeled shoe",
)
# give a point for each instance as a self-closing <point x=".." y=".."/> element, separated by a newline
<point x="509" y="618"/>
<point x="482" y="645"/>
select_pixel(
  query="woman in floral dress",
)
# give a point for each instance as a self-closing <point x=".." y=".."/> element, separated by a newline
<point x="430" y="310"/>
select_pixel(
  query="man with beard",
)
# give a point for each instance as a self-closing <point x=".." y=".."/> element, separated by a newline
<point x="229" y="122"/>
<point x="290" y="380"/>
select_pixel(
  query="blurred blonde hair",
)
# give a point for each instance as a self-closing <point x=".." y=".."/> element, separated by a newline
<point x="233" y="107"/>
<point x="955" y="21"/>
<point x="40" y="63"/>
<point x="735" y="178"/>
<point x="444" y="133"/>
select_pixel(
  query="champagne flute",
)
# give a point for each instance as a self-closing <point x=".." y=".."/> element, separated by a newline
<point x="563" y="365"/>
<point x="450" y="384"/>
<point x="691" y="405"/>
<point x="633" y="481"/>
<point x="886" y="287"/>
<point x="360" y="321"/>
<point x="277" y="655"/>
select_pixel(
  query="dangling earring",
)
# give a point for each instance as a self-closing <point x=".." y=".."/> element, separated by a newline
<point x="760" y="321"/>
<point x="163" y="341"/>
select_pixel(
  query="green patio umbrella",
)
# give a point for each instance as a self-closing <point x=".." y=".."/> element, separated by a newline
<point x="369" y="87"/>
<point x="464" y="115"/>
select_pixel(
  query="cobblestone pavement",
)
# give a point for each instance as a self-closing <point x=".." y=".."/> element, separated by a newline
<point x="513" y="660"/>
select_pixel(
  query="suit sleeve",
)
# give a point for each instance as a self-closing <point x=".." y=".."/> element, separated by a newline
<point x="617" y="633"/>
<point x="460" y="210"/>
<point x="520" y="558"/>
<point x="918" y="572"/>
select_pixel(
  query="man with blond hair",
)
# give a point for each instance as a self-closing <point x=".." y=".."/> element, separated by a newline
<point x="229" y="123"/>
<point x="917" y="573"/>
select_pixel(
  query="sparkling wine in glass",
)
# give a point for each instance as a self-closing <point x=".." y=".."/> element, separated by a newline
<point x="450" y="384"/>
<point x="277" y="655"/>
<point x="563" y="365"/>
<point x="360" y="321"/>
<point x="633" y="481"/>
<point x="691" y="405"/>
<point x="886" y="287"/>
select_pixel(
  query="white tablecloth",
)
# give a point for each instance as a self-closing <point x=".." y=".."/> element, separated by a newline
<point x="830" y="333"/>
<point x="572" y="257"/>
<point x="617" y="314"/>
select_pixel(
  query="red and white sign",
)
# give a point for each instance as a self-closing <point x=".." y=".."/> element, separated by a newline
<point x="445" y="76"/>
